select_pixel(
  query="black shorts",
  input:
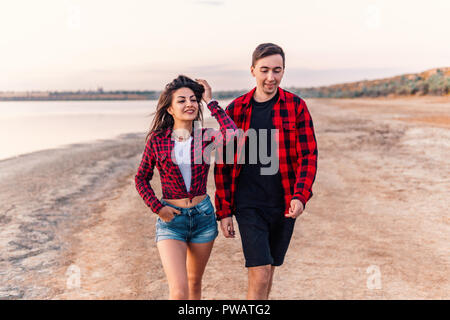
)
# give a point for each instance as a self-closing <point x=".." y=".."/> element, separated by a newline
<point x="265" y="235"/>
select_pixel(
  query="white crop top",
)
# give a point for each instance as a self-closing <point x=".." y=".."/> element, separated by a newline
<point x="182" y="151"/>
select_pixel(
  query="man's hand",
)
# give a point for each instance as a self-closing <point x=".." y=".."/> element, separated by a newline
<point x="226" y="224"/>
<point x="295" y="209"/>
<point x="167" y="213"/>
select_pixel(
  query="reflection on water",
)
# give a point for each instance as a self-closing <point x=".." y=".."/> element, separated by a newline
<point x="36" y="125"/>
<point x="30" y="126"/>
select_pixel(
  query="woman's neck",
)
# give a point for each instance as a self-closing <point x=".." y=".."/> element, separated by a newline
<point x="182" y="130"/>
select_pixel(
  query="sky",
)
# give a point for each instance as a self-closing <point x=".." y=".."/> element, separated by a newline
<point x="144" y="44"/>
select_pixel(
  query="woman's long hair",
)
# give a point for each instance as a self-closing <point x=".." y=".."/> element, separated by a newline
<point x="163" y="119"/>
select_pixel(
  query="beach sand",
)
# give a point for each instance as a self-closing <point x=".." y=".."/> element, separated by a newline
<point x="72" y="225"/>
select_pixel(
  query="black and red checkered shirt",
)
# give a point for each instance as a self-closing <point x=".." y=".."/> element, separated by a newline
<point x="158" y="152"/>
<point x="297" y="151"/>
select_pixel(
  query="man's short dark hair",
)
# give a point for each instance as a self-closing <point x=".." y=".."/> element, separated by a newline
<point x="265" y="50"/>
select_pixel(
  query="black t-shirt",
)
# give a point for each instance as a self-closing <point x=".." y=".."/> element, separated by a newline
<point x="254" y="188"/>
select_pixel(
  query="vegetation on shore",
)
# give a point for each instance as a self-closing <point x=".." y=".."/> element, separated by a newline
<point x="431" y="82"/>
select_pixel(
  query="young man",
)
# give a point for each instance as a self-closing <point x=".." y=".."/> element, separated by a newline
<point x="266" y="205"/>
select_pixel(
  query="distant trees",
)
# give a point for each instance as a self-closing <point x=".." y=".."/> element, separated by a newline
<point x="432" y="82"/>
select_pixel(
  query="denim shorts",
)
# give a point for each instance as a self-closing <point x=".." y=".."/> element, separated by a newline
<point x="196" y="224"/>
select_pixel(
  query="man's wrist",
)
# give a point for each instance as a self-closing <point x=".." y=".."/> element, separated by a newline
<point x="220" y="217"/>
<point x="301" y="199"/>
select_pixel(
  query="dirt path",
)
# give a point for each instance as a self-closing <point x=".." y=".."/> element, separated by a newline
<point x="378" y="226"/>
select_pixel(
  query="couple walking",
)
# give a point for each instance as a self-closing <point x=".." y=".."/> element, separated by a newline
<point x="265" y="205"/>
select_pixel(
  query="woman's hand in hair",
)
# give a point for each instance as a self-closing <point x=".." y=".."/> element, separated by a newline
<point x="167" y="213"/>
<point x="207" y="95"/>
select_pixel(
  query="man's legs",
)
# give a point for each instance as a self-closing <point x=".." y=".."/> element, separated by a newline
<point x="265" y="235"/>
<point x="271" y="281"/>
<point x="260" y="282"/>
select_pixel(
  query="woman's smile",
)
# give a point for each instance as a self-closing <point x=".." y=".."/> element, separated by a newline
<point x="190" y="110"/>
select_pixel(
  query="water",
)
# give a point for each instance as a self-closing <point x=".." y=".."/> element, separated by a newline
<point x="37" y="125"/>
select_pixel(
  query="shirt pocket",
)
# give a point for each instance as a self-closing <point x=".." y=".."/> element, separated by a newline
<point x="206" y="208"/>
<point x="289" y="125"/>
<point x="290" y="137"/>
<point x="166" y="162"/>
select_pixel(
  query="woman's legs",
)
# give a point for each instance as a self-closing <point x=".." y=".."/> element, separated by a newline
<point x="184" y="265"/>
<point x="197" y="257"/>
<point x="173" y="257"/>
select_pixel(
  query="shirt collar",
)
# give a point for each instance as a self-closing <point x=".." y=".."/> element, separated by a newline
<point x="168" y="132"/>
<point x="248" y="96"/>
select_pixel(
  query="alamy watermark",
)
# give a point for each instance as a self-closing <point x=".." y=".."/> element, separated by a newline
<point x="73" y="274"/>
<point x="73" y="16"/>
<point x="372" y="17"/>
<point x="232" y="143"/>
<point x="374" y="279"/>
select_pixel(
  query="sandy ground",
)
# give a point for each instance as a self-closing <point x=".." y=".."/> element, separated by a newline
<point x="72" y="225"/>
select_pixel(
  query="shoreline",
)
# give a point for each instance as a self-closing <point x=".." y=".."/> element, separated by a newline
<point x="47" y="195"/>
<point x="58" y="148"/>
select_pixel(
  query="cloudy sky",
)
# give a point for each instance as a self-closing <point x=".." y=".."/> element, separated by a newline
<point x="143" y="44"/>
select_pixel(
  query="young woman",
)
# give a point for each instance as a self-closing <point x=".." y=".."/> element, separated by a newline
<point x="186" y="226"/>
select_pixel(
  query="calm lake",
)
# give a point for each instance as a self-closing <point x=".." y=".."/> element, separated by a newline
<point x="27" y="126"/>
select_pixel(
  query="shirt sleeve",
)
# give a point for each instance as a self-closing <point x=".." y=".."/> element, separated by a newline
<point x="144" y="175"/>
<point x="227" y="126"/>
<point x="222" y="178"/>
<point x="306" y="146"/>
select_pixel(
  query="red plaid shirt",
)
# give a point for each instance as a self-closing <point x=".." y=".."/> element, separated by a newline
<point x="158" y="152"/>
<point x="297" y="151"/>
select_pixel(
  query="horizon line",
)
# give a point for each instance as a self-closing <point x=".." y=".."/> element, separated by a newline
<point x="100" y="88"/>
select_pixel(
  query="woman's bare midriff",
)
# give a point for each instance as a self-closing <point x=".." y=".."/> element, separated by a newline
<point x="185" y="202"/>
